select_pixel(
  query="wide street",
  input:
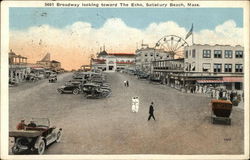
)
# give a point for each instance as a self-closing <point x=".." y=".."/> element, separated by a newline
<point x="108" y="126"/>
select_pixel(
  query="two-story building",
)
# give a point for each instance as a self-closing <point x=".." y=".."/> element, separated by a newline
<point x="145" y="57"/>
<point x="18" y="69"/>
<point x="48" y="64"/>
<point x="111" y="62"/>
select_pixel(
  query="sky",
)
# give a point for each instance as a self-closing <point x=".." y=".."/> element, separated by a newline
<point x="72" y="34"/>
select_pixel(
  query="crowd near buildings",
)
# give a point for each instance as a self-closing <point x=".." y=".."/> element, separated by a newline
<point x="20" y="70"/>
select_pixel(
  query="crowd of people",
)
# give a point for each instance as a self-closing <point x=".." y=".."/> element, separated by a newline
<point x="217" y="92"/>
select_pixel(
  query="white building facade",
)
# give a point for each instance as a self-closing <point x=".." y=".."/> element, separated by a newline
<point x="111" y="62"/>
<point x="205" y="66"/>
<point x="214" y="59"/>
<point x="221" y="63"/>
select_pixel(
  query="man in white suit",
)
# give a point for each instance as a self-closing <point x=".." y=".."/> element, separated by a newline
<point x="136" y="104"/>
<point x="133" y="104"/>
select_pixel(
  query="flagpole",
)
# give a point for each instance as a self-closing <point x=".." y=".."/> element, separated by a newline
<point x="193" y="35"/>
<point x="193" y="38"/>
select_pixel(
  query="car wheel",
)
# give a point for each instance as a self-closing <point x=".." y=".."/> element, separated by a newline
<point x="15" y="149"/>
<point x="58" y="137"/>
<point x="59" y="91"/>
<point x="76" y="91"/>
<point x="41" y="147"/>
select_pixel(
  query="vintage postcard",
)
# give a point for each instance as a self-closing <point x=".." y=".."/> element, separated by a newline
<point x="125" y="80"/>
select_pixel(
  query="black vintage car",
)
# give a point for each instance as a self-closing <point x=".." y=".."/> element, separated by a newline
<point x="52" y="78"/>
<point x="93" y="90"/>
<point x="71" y="87"/>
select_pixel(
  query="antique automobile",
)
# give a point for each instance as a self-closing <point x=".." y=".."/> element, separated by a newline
<point x="52" y="78"/>
<point x="221" y="111"/>
<point x="154" y="79"/>
<point x="36" y="138"/>
<point x="70" y="87"/>
<point x="142" y="75"/>
<point x="93" y="90"/>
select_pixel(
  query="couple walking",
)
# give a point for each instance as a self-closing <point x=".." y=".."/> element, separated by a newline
<point x="126" y="83"/>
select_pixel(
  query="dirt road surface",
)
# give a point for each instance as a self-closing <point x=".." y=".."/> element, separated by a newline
<point x="108" y="126"/>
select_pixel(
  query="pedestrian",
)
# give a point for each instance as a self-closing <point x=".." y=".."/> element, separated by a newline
<point x="21" y="125"/>
<point x="127" y="83"/>
<point x="220" y="94"/>
<point x="242" y="96"/>
<point x="133" y="104"/>
<point x="136" y="104"/>
<point x="232" y="96"/>
<point x="151" y="111"/>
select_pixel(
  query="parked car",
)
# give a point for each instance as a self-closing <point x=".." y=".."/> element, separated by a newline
<point x="37" y="138"/>
<point x="93" y="90"/>
<point x="71" y="87"/>
<point x="142" y="75"/>
<point x="52" y="78"/>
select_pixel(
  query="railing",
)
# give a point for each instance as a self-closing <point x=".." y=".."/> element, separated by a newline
<point x="180" y="72"/>
<point x="20" y="65"/>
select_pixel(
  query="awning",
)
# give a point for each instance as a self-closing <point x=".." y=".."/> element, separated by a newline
<point x="233" y="79"/>
<point x="224" y="80"/>
<point x="210" y="81"/>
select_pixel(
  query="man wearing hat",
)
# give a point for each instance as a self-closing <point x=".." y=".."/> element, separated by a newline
<point x="21" y="125"/>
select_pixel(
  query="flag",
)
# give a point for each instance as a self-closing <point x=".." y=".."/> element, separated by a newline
<point x="190" y="32"/>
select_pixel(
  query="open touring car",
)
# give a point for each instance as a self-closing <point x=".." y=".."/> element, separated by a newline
<point x="35" y="138"/>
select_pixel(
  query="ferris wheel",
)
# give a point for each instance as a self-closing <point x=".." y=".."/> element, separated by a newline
<point x="172" y="44"/>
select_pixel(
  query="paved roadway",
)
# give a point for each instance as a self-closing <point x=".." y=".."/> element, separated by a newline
<point x="108" y="126"/>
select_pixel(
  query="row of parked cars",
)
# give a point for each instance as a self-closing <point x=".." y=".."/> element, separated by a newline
<point x="91" y="84"/>
<point x="143" y="75"/>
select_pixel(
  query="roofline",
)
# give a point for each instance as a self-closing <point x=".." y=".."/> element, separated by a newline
<point x="223" y="45"/>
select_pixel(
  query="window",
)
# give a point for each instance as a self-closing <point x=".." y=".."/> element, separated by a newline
<point x="238" y="85"/>
<point x="206" y="67"/>
<point x="228" y="53"/>
<point x="186" y="54"/>
<point x="238" y="68"/>
<point x="151" y="54"/>
<point x="146" y="55"/>
<point x="206" y="53"/>
<point x="193" y="53"/>
<point x="217" y="67"/>
<point x="217" y="53"/>
<point x="238" y="54"/>
<point x="228" y="68"/>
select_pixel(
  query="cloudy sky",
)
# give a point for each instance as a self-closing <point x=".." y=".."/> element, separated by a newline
<point x="71" y="35"/>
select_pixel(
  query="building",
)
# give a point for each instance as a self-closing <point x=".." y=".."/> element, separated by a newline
<point x="113" y="61"/>
<point x="216" y="62"/>
<point x="206" y="65"/>
<point x="145" y="56"/>
<point x="46" y="63"/>
<point x="168" y="70"/>
<point x="18" y="69"/>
